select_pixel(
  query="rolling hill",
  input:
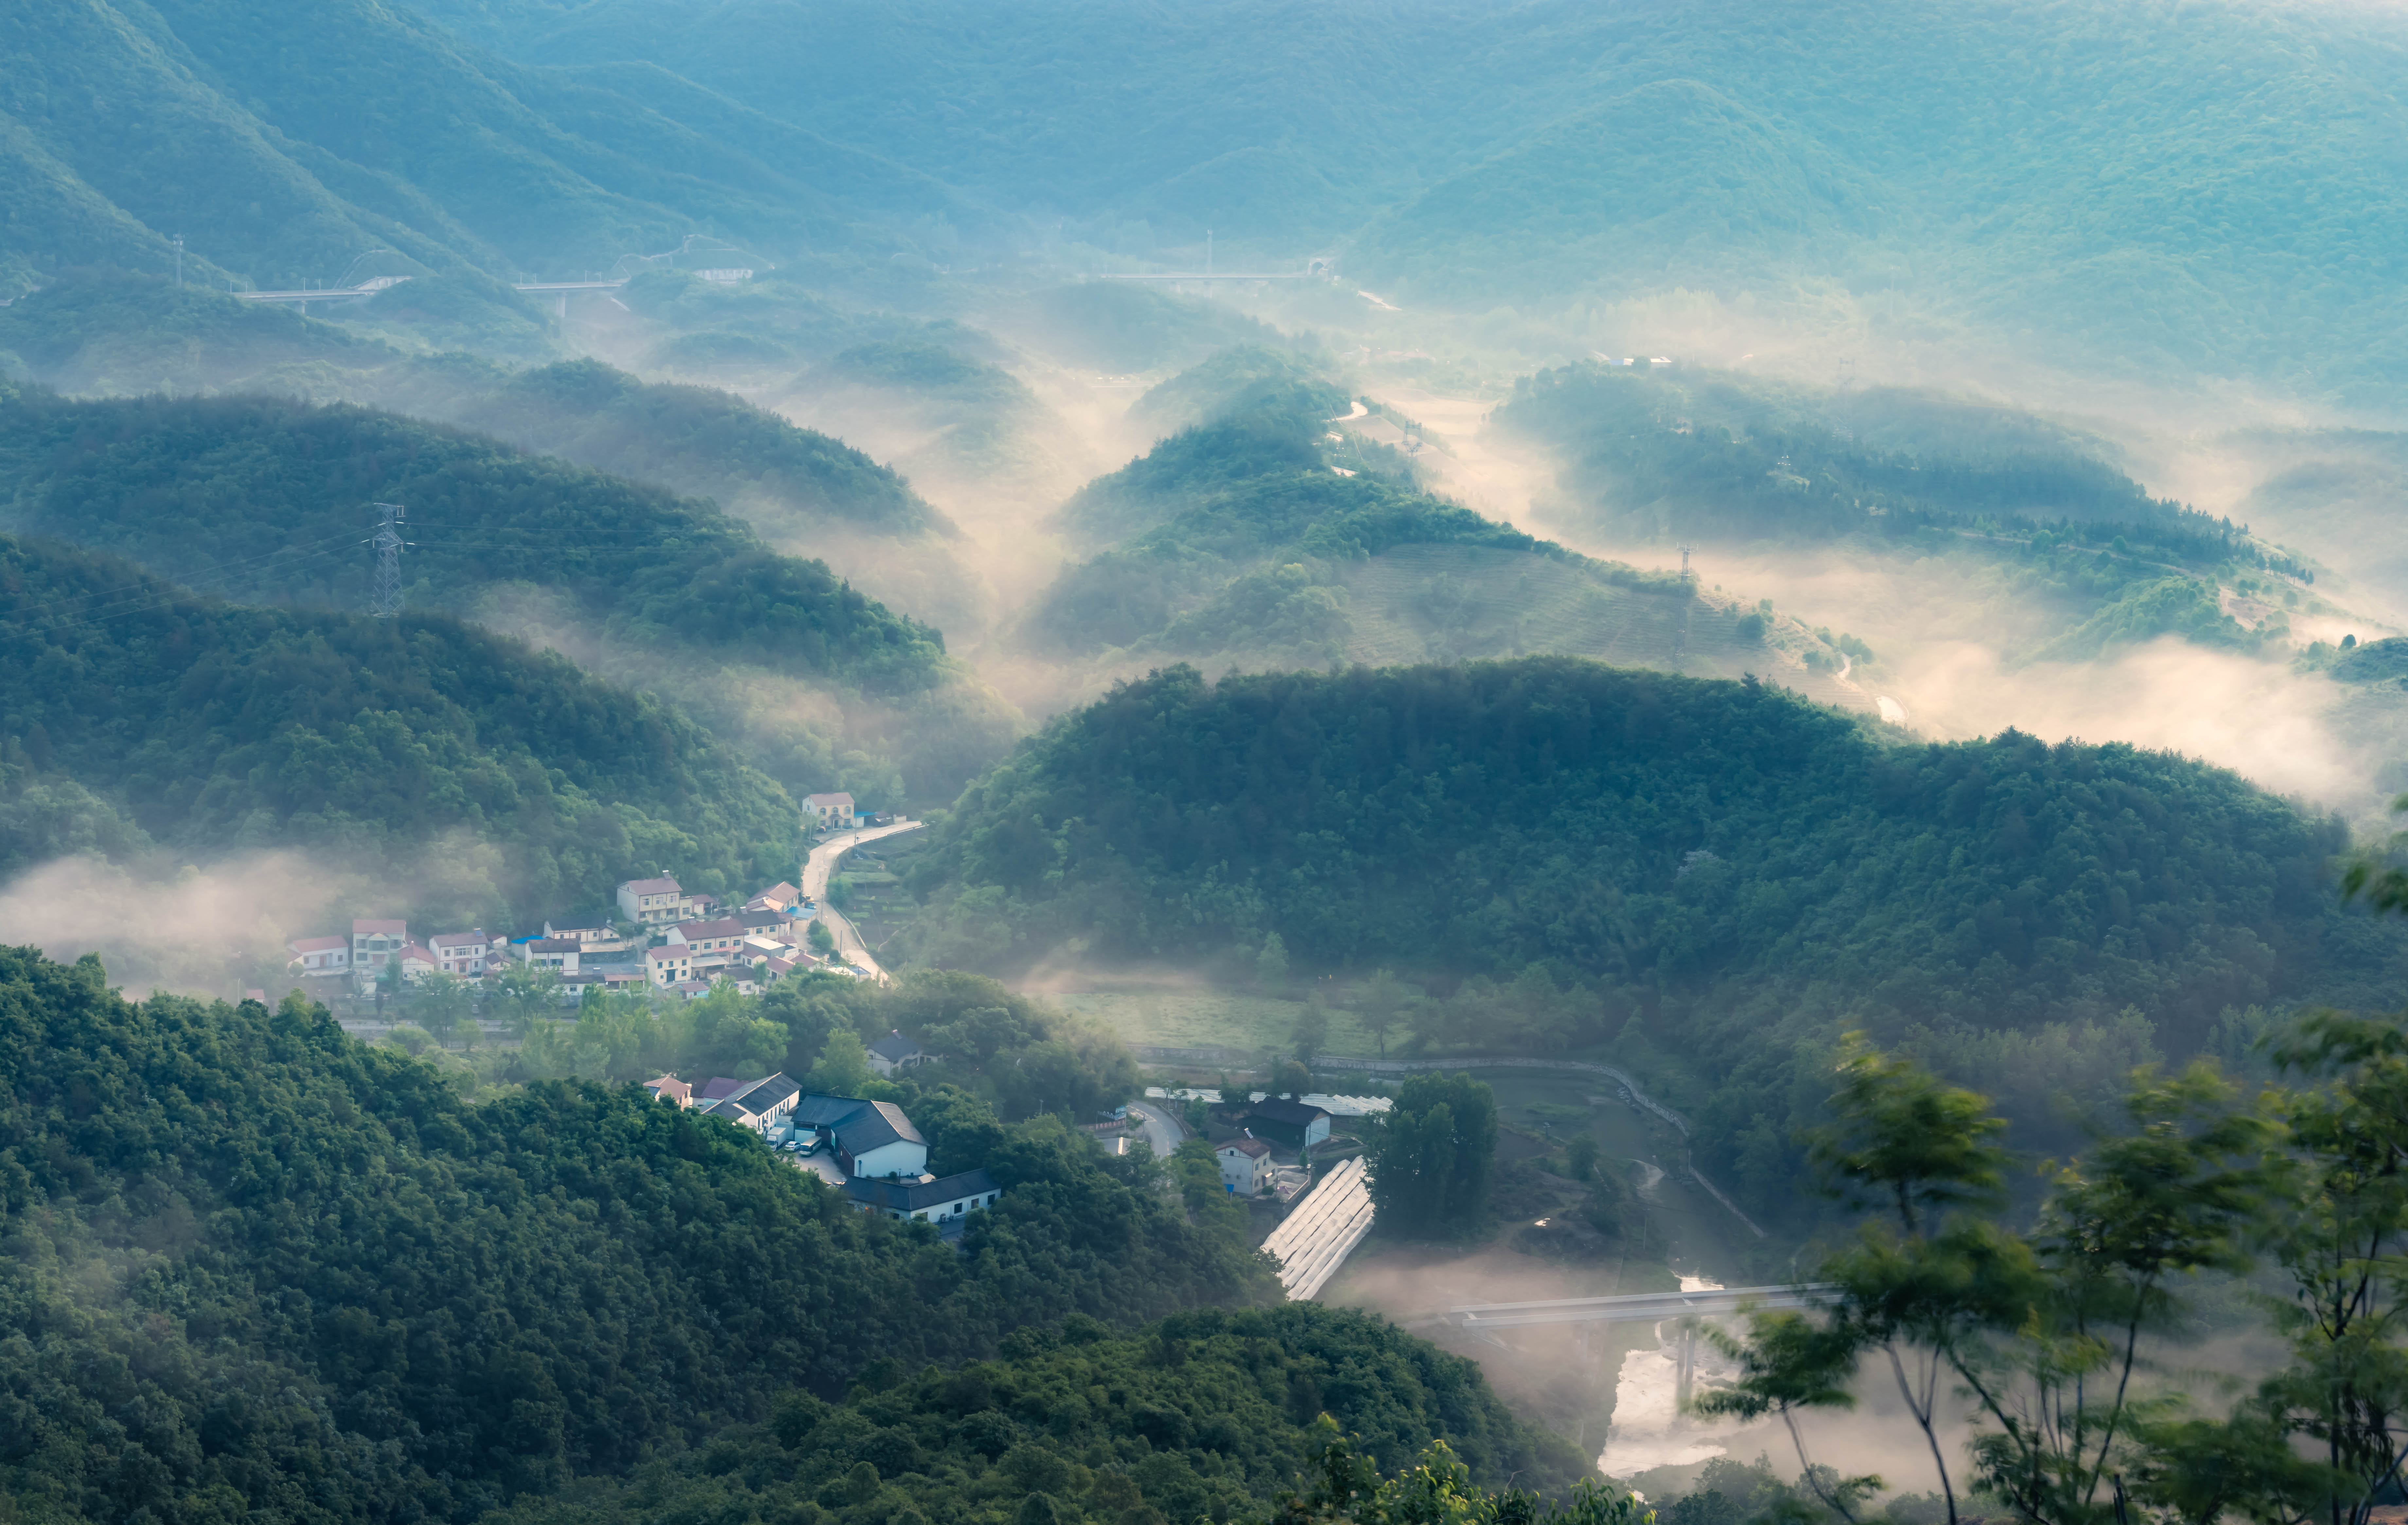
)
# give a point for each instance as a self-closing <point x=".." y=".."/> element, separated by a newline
<point x="264" y="501"/>
<point x="1714" y="878"/>
<point x="1274" y="533"/>
<point x="387" y="743"/>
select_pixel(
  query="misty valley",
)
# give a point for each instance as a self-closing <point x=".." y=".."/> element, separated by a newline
<point x="777" y="762"/>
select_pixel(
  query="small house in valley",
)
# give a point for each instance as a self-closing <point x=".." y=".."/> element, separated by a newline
<point x="830" y="811"/>
<point x="671" y="1089"/>
<point x="653" y="902"/>
<point x="462" y="954"/>
<point x="320" y="955"/>
<point x="1245" y="1166"/>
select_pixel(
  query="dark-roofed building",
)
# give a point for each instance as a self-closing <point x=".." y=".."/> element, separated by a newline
<point x="895" y="1052"/>
<point x="762" y="1106"/>
<point x="1290" y="1122"/>
<point x="929" y="1199"/>
<point x="868" y="1138"/>
<point x="880" y="1140"/>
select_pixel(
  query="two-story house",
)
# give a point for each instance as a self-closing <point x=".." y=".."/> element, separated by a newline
<point x="557" y="954"/>
<point x="830" y="811"/>
<point x="464" y="954"/>
<point x="375" y="941"/>
<point x="720" y="936"/>
<point x="1245" y="1166"/>
<point x="653" y="902"/>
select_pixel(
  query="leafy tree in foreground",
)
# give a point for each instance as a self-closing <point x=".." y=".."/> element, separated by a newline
<point x="2044" y="1330"/>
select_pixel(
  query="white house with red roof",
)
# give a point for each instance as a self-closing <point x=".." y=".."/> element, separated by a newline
<point x="320" y="955"/>
<point x="416" y="961"/>
<point x="463" y="954"/>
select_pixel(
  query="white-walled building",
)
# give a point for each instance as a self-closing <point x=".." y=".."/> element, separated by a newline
<point x="831" y="812"/>
<point x="929" y="1199"/>
<point x="652" y="901"/>
<point x="464" y="954"/>
<point x="375" y="941"/>
<point x="320" y="955"/>
<point x="1245" y="1166"/>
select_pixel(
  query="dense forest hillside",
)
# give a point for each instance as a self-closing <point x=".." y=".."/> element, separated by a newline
<point x="259" y="1268"/>
<point x="1659" y="455"/>
<point x="1710" y="870"/>
<point x="267" y="501"/>
<point x="1245" y="533"/>
<point x="216" y="728"/>
<point x="1198" y="1422"/>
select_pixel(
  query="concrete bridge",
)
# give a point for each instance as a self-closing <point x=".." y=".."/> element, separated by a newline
<point x="1640" y="1308"/>
<point x="1483" y="1319"/>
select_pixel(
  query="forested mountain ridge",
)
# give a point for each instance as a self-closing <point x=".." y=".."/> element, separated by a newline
<point x="1710" y="870"/>
<point x="1694" y="454"/>
<point x="258" y="1267"/>
<point x="1234" y="534"/>
<point x="265" y="500"/>
<point x="218" y="729"/>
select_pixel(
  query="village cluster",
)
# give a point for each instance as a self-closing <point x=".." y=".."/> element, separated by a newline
<point x="665" y="937"/>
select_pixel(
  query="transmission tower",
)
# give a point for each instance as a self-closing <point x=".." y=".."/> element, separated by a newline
<point x="384" y="601"/>
<point x="1688" y="594"/>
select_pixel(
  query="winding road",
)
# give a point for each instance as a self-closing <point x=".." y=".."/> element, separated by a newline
<point x="1162" y="1130"/>
<point x="820" y="866"/>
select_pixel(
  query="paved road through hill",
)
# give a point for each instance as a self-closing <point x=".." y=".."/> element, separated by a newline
<point x="1162" y="1131"/>
<point x="816" y="869"/>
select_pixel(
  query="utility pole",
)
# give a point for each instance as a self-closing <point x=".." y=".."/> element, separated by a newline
<point x="179" y="262"/>
<point x="384" y="600"/>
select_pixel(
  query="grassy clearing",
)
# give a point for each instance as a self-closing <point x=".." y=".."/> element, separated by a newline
<point x="1213" y="1019"/>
